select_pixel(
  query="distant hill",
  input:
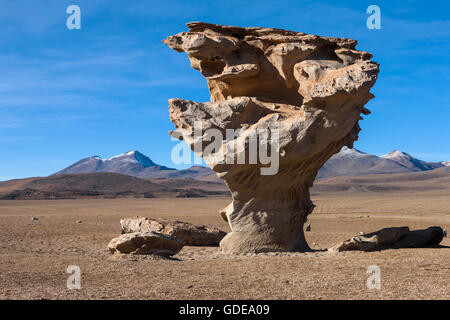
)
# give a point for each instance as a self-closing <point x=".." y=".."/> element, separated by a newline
<point x="429" y="180"/>
<point x="96" y="185"/>
<point x="113" y="185"/>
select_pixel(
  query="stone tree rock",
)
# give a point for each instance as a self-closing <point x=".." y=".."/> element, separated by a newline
<point x="298" y="95"/>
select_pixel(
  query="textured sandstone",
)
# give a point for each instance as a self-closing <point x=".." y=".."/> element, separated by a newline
<point x="192" y="235"/>
<point x="394" y="238"/>
<point x="145" y="243"/>
<point x="311" y="89"/>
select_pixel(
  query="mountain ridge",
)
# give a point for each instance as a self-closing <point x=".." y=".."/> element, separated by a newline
<point x="348" y="162"/>
<point x="411" y="162"/>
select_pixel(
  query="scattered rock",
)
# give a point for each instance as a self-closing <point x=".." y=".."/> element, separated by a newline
<point x="190" y="194"/>
<point x="34" y="218"/>
<point x="320" y="84"/>
<point x="78" y="221"/>
<point x="191" y="234"/>
<point x="145" y="243"/>
<point x="392" y="238"/>
<point x="421" y="238"/>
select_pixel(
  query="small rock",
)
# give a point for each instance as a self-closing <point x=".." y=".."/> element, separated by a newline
<point x="34" y="218"/>
<point x="421" y="238"/>
<point x="192" y="235"/>
<point x="146" y="243"/>
<point x="79" y="221"/>
<point x="397" y="237"/>
<point x="372" y="241"/>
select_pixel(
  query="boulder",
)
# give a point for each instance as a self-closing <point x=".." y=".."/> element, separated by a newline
<point x="145" y="243"/>
<point x="431" y="236"/>
<point x="298" y="95"/>
<point x="191" y="234"/>
<point x="392" y="238"/>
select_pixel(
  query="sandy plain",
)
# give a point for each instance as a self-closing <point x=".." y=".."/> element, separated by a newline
<point x="34" y="255"/>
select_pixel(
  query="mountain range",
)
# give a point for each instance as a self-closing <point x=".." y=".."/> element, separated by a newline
<point x="348" y="162"/>
<point x="135" y="175"/>
<point x="352" y="162"/>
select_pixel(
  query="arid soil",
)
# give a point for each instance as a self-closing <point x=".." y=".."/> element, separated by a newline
<point x="34" y="255"/>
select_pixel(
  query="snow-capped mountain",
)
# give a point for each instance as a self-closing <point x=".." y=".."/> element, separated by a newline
<point x="446" y="163"/>
<point x="410" y="162"/>
<point x="348" y="162"/>
<point x="132" y="163"/>
<point x="354" y="162"/>
<point x="136" y="164"/>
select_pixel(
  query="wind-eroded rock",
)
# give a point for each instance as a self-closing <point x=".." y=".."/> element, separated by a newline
<point x="192" y="235"/>
<point x="304" y="91"/>
<point x="145" y="243"/>
<point x="392" y="238"/>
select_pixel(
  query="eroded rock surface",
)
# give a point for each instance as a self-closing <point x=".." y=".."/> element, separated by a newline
<point x="191" y="234"/>
<point x="392" y="238"/>
<point x="308" y="90"/>
<point x="145" y="243"/>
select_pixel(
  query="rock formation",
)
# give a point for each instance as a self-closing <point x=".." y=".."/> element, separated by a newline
<point x="192" y="235"/>
<point x="300" y="95"/>
<point x="145" y="243"/>
<point x="392" y="238"/>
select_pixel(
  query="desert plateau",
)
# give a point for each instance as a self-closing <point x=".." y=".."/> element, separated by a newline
<point x="36" y="254"/>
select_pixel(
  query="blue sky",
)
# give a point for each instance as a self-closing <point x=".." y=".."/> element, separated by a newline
<point x="103" y="90"/>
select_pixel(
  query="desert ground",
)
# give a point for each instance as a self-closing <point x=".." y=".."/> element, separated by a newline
<point x="35" y="254"/>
